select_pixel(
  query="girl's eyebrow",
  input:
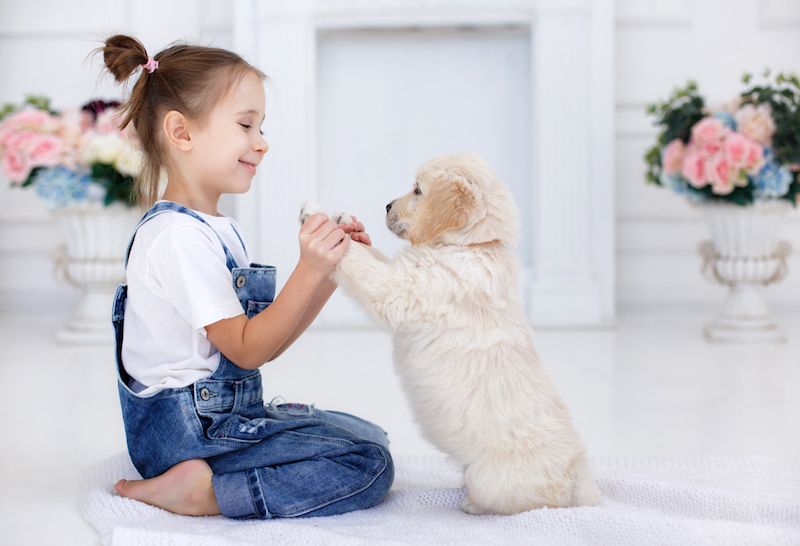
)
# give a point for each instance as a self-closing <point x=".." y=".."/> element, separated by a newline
<point x="251" y="111"/>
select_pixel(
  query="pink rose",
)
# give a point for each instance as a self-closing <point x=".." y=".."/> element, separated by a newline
<point x="108" y="121"/>
<point x="45" y="150"/>
<point x="755" y="158"/>
<point x="70" y="126"/>
<point x="673" y="156"/>
<point x="86" y="121"/>
<point x="5" y="135"/>
<point x="32" y="118"/>
<point x="708" y="130"/>
<point x="736" y="148"/>
<point x="710" y="148"/>
<point x="694" y="168"/>
<point x="721" y="175"/>
<point x="20" y="140"/>
<point x="16" y="166"/>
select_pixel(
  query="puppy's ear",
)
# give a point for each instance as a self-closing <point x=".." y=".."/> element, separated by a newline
<point x="448" y="206"/>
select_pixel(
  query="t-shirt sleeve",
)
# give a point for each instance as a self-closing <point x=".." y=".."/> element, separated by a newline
<point x="187" y="268"/>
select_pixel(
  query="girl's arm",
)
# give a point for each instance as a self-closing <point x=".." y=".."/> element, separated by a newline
<point x="317" y="303"/>
<point x="325" y="290"/>
<point x="251" y="343"/>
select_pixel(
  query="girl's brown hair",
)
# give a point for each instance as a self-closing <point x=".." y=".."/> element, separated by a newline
<point x="189" y="79"/>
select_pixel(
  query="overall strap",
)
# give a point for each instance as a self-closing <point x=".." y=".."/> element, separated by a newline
<point x="236" y="231"/>
<point x="169" y="206"/>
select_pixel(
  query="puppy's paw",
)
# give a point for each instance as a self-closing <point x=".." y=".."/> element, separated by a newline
<point x="468" y="506"/>
<point x="342" y="218"/>
<point x="310" y="208"/>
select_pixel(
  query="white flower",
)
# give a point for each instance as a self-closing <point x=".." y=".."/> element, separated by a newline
<point x="756" y="123"/>
<point x="102" y="148"/>
<point x="71" y="127"/>
<point x="129" y="161"/>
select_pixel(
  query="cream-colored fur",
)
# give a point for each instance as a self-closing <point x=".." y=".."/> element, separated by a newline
<point x="462" y="347"/>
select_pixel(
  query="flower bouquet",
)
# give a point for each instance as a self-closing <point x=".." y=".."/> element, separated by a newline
<point x="740" y="164"/>
<point x="69" y="157"/>
<point x="747" y="150"/>
<point x="83" y="167"/>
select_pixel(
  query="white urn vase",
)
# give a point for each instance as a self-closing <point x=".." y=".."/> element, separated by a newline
<point x="92" y="259"/>
<point x="745" y="255"/>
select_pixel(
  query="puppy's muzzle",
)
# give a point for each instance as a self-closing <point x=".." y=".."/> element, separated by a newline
<point x="393" y="222"/>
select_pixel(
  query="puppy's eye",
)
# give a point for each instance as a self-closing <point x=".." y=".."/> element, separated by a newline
<point x="417" y="191"/>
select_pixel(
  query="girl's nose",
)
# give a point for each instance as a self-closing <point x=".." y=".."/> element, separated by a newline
<point x="261" y="147"/>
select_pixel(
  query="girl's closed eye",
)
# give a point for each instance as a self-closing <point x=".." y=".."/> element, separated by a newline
<point x="248" y="127"/>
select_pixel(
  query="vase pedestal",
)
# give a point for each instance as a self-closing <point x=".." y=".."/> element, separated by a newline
<point x="745" y="256"/>
<point x="744" y="318"/>
<point x="90" y="322"/>
<point x="92" y="259"/>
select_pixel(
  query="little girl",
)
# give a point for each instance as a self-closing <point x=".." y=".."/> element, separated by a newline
<point x="197" y="319"/>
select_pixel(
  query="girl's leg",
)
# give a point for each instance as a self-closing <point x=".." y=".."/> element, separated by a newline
<point x="320" y="469"/>
<point x="186" y="489"/>
<point x="351" y="423"/>
<point x="357" y="425"/>
<point x="333" y="464"/>
<point x="329" y="485"/>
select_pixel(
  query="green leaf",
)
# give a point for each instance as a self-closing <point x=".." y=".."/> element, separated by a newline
<point x="119" y="187"/>
<point x="31" y="177"/>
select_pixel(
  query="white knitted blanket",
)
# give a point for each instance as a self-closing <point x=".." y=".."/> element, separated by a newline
<point x="715" y="501"/>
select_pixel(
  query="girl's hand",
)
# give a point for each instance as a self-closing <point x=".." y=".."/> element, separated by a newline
<point x="322" y="243"/>
<point x="356" y="231"/>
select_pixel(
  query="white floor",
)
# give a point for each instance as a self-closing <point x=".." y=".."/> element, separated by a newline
<point x="651" y="386"/>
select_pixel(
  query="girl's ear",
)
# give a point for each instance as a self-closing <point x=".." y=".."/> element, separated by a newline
<point x="176" y="130"/>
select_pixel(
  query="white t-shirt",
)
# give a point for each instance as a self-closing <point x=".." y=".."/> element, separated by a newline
<point x="178" y="283"/>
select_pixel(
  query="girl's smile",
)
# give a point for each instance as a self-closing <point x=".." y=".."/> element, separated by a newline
<point x="251" y="167"/>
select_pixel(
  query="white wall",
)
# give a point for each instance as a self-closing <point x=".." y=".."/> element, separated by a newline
<point x="659" y="43"/>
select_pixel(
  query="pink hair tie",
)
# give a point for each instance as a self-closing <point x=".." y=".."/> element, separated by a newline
<point x="151" y="65"/>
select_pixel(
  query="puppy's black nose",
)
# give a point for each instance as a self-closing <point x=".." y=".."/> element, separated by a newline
<point x="388" y="207"/>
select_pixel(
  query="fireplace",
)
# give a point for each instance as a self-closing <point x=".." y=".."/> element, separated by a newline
<point x="362" y="92"/>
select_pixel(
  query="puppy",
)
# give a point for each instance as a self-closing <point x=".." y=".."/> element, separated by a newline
<point x="462" y="346"/>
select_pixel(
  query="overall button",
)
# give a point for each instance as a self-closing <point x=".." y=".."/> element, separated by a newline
<point x="205" y="394"/>
<point x="240" y="280"/>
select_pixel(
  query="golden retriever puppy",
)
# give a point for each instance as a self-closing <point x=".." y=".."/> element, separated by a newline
<point x="462" y="346"/>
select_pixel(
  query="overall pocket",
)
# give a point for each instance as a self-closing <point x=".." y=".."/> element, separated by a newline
<point x="224" y="405"/>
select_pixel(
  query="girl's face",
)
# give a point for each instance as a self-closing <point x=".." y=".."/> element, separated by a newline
<point x="228" y="149"/>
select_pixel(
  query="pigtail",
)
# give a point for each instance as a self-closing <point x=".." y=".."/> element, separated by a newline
<point x="123" y="55"/>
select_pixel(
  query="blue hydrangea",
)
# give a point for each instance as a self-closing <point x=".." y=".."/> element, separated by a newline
<point x="59" y="186"/>
<point x="773" y="180"/>
<point x="675" y="182"/>
<point x="680" y="185"/>
<point x="727" y="119"/>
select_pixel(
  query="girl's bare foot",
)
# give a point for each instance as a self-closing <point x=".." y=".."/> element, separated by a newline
<point x="183" y="489"/>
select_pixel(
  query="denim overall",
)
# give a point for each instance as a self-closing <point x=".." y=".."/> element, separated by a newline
<point x="279" y="460"/>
